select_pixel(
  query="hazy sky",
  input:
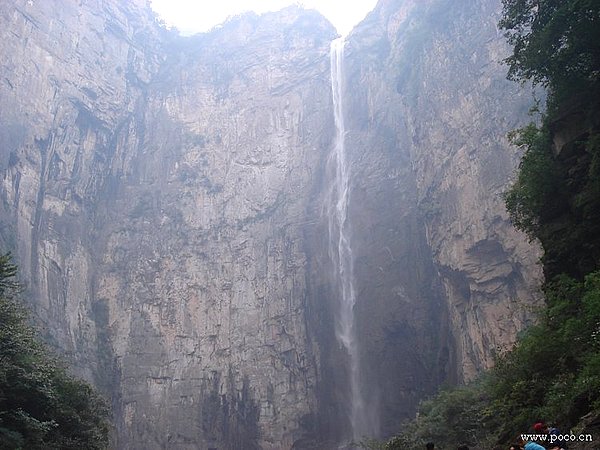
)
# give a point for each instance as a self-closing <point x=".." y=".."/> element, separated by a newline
<point x="191" y="16"/>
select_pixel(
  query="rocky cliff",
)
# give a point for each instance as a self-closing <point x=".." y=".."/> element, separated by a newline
<point x="166" y="196"/>
<point x="155" y="191"/>
<point x="428" y="81"/>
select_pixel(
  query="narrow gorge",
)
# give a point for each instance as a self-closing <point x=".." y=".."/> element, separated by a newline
<point x="264" y="236"/>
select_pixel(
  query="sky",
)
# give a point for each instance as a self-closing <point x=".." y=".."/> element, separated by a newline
<point x="193" y="16"/>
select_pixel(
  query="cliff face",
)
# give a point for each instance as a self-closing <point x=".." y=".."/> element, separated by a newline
<point x="427" y="79"/>
<point x="165" y="198"/>
<point x="64" y="92"/>
<point x="156" y="194"/>
<point x="202" y="278"/>
<point x="71" y="77"/>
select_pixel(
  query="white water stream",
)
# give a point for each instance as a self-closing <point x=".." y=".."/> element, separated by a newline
<point x="340" y="249"/>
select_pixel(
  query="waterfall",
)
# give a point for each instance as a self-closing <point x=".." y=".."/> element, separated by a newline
<point x="340" y="250"/>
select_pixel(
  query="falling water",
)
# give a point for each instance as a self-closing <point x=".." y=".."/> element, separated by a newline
<point x="340" y="249"/>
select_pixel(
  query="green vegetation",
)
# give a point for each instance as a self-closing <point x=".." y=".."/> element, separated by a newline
<point x="454" y="417"/>
<point x="553" y="373"/>
<point x="556" y="198"/>
<point x="555" y="43"/>
<point x="41" y="406"/>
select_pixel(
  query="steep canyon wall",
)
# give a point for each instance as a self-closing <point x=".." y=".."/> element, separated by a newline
<point x="165" y="198"/>
<point x="428" y="84"/>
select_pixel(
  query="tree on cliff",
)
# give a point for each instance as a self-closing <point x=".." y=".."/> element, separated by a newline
<point x="555" y="43"/>
<point x="41" y="406"/>
<point x="556" y="197"/>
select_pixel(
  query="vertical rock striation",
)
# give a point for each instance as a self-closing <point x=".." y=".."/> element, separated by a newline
<point x="202" y="278"/>
<point x="430" y="109"/>
<point x="71" y="77"/>
<point x="166" y="198"/>
<point x="155" y="190"/>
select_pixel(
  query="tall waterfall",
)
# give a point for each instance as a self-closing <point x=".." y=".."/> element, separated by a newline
<point x="340" y="249"/>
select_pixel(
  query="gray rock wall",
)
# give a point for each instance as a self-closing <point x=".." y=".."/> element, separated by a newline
<point x="164" y="197"/>
<point x="72" y="76"/>
<point x="428" y="83"/>
<point x="155" y="191"/>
